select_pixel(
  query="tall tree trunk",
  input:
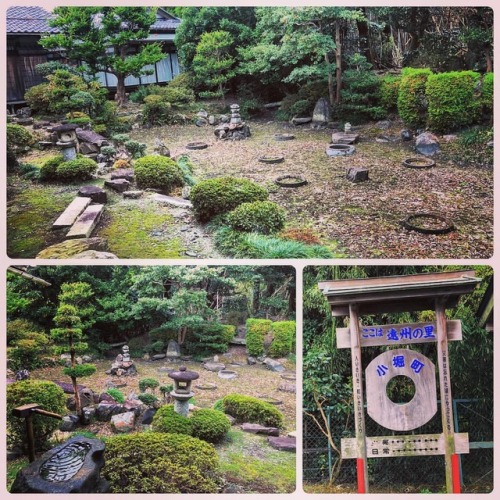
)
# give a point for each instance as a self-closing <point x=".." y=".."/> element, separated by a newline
<point x="121" y="96"/>
<point x="78" y="403"/>
<point x="338" y="60"/>
<point x="489" y="60"/>
<point x="256" y="297"/>
<point x="331" y="86"/>
<point x="364" y="37"/>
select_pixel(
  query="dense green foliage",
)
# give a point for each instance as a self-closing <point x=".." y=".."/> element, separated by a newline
<point x="167" y="420"/>
<point x="18" y="136"/>
<point x="453" y="100"/>
<point x="264" y="217"/>
<point x="116" y="394"/>
<point x="257" y="329"/>
<point x="283" y="338"/>
<point x="155" y="462"/>
<point x="487" y="92"/>
<point x="79" y="169"/>
<point x="208" y="338"/>
<point x="389" y="91"/>
<point x="217" y="196"/>
<point x="412" y="105"/>
<point x="148" y="383"/>
<point x="158" y="172"/>
<point x="156" y="110"/>
<point x="49" y="396"/>
<point x="253" y="410"/>
<point x="77" y="371"/>
<point x="147" y="398"/>
<point x="209" y="425"/>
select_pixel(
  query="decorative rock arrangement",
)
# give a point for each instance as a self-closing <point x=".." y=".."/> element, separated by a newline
<point x="95" y="193"/>
<point x="173" y="351"/>
<point x="322" y="114"/>
<point x="235" y="130"/>
<point x="119" y="185"/>
<point x="260" y="429"/>
<point x="273" y="365"/>
<point x="427" y="144"/>
<point x="123" y="365"/>
<point x="356" y="174"/>
<point x="72" y="467"/>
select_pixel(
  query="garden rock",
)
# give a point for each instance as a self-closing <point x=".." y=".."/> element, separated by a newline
<point x="343" y="138"/>
<point x="260" y="429"/>
<point x="161" y="148"/>
<point x="88" y="415"/>
<point x="94" y="254"/>
<point x="159" y="356"/>
<point x="67" y="387"/>
<point x="68" y="423"/>
<point x="356" y="174"/>
<point x="251" y="360"/>
<point x="202" y="114"/>
<point x="170" y="200"/>
<point x="86" y="148"/>
<point x="383" y="124"/>
<point x="450" y="137"/>
<point x="119" y="185"/>
<point x="173" y="350"/>
<point x="86" y="399"/>
<point x="69" y="248"/>
<point x="133" y="195"/>
<point x="282" y="443"/>
<point x="123" y="422"/>
<point x="95" y="193"/>
<point x="104" y="411"/>
<point x="322" y="114"/>
<point x="214" y="367"/>
<point x="301" y="121"/>
<point x="104" y="397"/>
<point x="227" y="374"/>
<point x="201" y="122"/>
<point x="273" y="365"/>
<point x="91" y="137"/>
<point x="406" y="135"/>
<point x="123" y="173"/>
<point x="427" y="144"/>
<point x="186" y="192"/>
<point x="147" y="417"/>
<point x="291" y="388"/>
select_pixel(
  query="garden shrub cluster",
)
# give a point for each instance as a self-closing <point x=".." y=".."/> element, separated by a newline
<point x="229" y="331"/>
<point x="221" y="195"/>
<point x="264" y="217"/>
<point x="283" y="338"/>
<point x="389" y="90"/>
<point x="302" y="103"/>
<point x="148" y="383"/>
<point x="147" y="398"/>
<point x="155" y="462"/>
<point x="453" y="100"/>
<point x="18" y="138"/>
<point x="80" y="168"/>
<point x="412" y="103"/>
<point x="487" y="93"/>
<point x="250" y="409"/>
<point x="49" y="396"/>
<point x="167" y="420"/>
<point x="207" y="338"/>
<point x="209" y="425"/>
<point x="257" y="329"/>
<point x="158" y="172"/>
<point x="116" y="394"/>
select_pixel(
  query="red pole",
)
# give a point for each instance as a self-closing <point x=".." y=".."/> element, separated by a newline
<point x="360" y="466"/>
<point x="455" y="473"/>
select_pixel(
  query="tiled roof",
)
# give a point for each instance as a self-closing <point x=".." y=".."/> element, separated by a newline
<point x="28" y="20"/>
<point x="165" y="24"/>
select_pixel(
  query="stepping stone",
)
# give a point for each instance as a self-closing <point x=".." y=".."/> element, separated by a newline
<point x="133" y="195"/>
<point x="343" y="138"/>
<point x="95" y="193"/>
<point x="214" y="367"/>
<point x="119" y="185"/>
<point x="291" y="388"/>
<point x="73" y="210"/>
<point x="356" y="174"/>
<point x="123" y="173"/>
<point x="86" y="223"/>
<point x="274" y="365"/>
<point x="238" y="341"/>
<point x="282" y="443"/>
<point x="170" y="200"/>
<point x="260" y="429"/>
<point x="156" y="357"/>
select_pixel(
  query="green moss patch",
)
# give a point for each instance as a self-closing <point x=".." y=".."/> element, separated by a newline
<point x="141" y="231"/>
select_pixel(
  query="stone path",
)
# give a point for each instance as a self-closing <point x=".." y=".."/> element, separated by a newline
<point x="86" y="223"/>
<point x="73" y="210"/>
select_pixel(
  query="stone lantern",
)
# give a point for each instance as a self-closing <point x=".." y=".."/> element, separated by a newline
<point x="182" y="389"/>
<point x="67" y="140"/>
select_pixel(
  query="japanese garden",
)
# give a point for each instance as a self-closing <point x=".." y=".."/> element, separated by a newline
<point x="250" y="132"/>
<point x="151" y="379"/>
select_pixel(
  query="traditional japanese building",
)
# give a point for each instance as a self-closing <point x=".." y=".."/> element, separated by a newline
<point x="26" y="25"/>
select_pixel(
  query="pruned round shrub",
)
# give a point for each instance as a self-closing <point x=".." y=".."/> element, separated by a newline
<point x="157" y="172"/>
<point x="257" y="329"/>
<point x="147" y="398"/>
<point x="153" y="462"/>
<point x="209" y="425"/>
<point x="148" y="383"/>
<point x="48" y="395"/>
<point x="283" y="338"/>
<point x="77" y="371"/>
<point x="412" y="103"/>
<point x="263" y="217"/>
<point x="116" y="394"/>
<point x="121" y="164"/>
<point x="253" y="410"/>
<point x="156" y="110"/>
<point x="167" y="420"/>
<point x="18" y="136"/>
<point x="48" y="170"/>
<point x="75" y="170"/>
<point x="389" y="89"/>
<point x="135" y="148"/>
<point x="217" y="196"/>
<point x="38" y="98"/>
<point x="453" y="100"/>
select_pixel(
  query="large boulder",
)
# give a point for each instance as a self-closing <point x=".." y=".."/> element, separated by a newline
<point x="70" y="248"/>
<point x="322" y="113"/>
<point x="260" y="429"/>
<point x="173" y="350"/>
<point x="273" y="365"/>
<point x="427" y="144"/>
<point x="123" y="422"/>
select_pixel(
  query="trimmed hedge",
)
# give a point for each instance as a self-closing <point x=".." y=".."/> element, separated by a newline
<point x="283" y="338"/>
<point x="167" y="420"/>
<point x="453" y="100"/>
<point x="264" y="217"/>
<point x="217" y="196"/>
<point x="229" y="332"/>
<point x="49" y="396"/>
<point x="158" y="172"/>
<point x="256" y="332"/>
<point x="389" y="90"/>
<point x="253" y="410"/>
<point x="209" y="425"/>
<point x="152" y="462"/>
<point x="412" y="104"/>
<point x="487" y="93"/>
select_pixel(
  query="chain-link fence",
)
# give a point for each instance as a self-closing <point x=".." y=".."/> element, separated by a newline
<point x="406" y="474"/>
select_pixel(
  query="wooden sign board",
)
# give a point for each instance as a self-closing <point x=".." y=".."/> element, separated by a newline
<point x="407" y="333"/>
<point x="405" y="446"/>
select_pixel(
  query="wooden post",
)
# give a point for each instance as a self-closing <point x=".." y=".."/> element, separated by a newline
<point x="451" y="462"/>
<point x="31" y="437"/>
<point x="357" y="388"/>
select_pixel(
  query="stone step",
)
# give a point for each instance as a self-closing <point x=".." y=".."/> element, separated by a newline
<point x="86" y="223"/>
<point x="73" y="210"/>
<point x="344" y="138"/>
<point x="238" y="341"/>
<point x="170" y="200"/>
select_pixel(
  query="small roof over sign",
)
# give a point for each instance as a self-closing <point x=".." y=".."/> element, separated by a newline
<point x="416" y="292"/>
